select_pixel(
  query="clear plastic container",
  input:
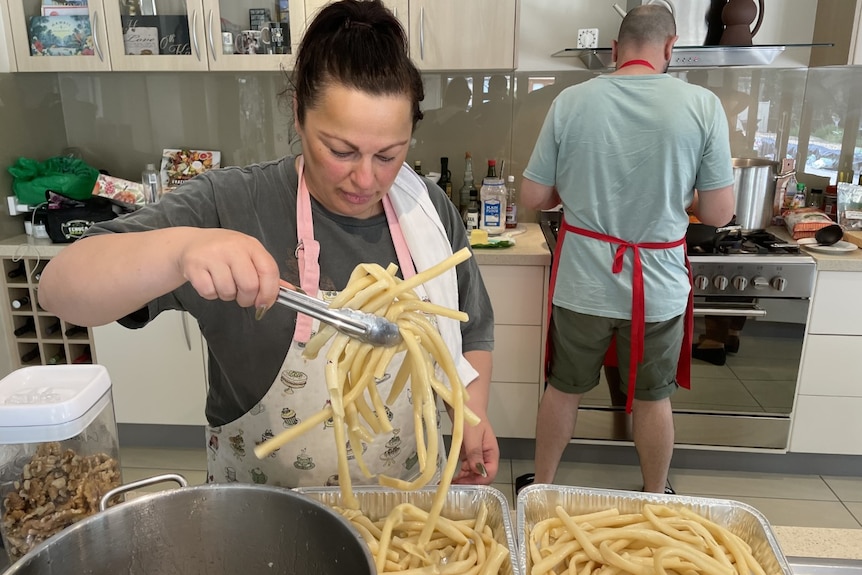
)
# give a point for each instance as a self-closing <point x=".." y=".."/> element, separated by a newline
<point x="59" y="452"/>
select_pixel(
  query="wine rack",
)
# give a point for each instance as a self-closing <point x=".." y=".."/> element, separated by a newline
<point x="37" y="337"/>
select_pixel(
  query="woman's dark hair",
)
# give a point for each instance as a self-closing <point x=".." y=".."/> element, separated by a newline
<point x="358" y="44"/>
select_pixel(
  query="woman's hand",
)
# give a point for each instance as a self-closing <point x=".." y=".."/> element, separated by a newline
<point x="230" y="266"/>
<point x="479" y="452"/>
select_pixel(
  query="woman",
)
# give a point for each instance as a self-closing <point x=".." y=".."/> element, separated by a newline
<point x="218" y="246"/>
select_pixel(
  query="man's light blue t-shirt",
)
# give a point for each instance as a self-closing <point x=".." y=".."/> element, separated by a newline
<point x="625" y="154"/>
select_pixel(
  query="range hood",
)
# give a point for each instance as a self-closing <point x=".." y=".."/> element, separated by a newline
<point x="692" y="56"/>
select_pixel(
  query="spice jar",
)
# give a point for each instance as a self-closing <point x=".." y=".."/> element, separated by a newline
<point x="59" y="452"/>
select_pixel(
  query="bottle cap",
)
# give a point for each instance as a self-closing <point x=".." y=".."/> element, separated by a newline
<point x="492" y="162"/>
<point x="800" y="186"/>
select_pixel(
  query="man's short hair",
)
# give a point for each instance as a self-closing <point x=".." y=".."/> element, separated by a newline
<point x="648" y="24"/>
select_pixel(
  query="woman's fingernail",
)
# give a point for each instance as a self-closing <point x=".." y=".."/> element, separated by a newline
<point x="480" y="467"/>
<point x="258" y="314"/>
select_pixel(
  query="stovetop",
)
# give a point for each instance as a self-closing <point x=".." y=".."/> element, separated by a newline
<point x="737" y="242"/>
<point x="741" y="264"/>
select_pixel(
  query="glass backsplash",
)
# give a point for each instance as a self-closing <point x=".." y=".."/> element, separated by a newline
<point x="122" y="121"/>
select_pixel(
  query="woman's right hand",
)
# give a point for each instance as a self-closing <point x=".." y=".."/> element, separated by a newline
<point x="230" y="266"/>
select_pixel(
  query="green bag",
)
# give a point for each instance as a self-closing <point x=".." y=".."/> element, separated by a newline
<point x="71" y="177"/>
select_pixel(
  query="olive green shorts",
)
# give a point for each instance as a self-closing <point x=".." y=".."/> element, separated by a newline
<point x="579" y="343"/>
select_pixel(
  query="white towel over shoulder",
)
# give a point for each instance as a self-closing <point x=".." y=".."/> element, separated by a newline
<point x="429" y="245"/>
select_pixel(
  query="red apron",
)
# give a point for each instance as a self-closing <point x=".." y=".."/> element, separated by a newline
<point x="683" y="370"/>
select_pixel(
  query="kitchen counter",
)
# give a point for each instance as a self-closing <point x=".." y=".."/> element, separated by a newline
<point x="820" y="542"/>
<point x="849" y="262"/>
<point x="24" y="245"/>
<point x="530" y="249"/>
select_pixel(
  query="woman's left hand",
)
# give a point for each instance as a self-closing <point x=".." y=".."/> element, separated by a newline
<point x="479" y="451"/>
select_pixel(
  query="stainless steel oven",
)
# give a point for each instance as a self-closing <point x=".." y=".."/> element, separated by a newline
<point x="747" y="401"/>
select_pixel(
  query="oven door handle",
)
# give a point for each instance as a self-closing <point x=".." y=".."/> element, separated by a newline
<point x="729" y="310"/>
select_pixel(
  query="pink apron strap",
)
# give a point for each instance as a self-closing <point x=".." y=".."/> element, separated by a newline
<point x="405" y="261"/>
<point x="307" y="252"/>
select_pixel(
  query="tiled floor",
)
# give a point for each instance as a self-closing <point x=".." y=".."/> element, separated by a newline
<point x="794" y="500"/>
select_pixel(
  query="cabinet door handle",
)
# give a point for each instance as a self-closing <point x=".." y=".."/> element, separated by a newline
<point x="195" y="34"/>
<point x="422" y="33"/>
<point x="96" y="35"/>
<point x="185" y="320"/>
<point x="210" y="35"/>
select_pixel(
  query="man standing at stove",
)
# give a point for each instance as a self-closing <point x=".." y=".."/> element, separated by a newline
<point x="624" y="152"/>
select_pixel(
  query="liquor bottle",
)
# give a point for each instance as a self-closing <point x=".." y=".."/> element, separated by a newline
<point x="492" y="169"/>
<point x="152" y="184"/>
<point x="464" y="194"/>
<point x="417" y="167"/>
<point x="30" y="355"/>
<point x="16" y="272"/>
<point x="75" y="329"/>
<point x="445" y="181"/>
<point x="84" y="357"/>
<point x="20" y="302"/>
<point x="57" y="358"/>
<point x="471" y="219"/>
<point x="511" y="207"/>
<point x="52" y="328"/>
<point x="28" y="326"/>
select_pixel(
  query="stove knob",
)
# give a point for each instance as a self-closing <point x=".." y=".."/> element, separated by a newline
<point x="778" y="283"/>
<point x="701" y="282"/>
<point x="760" y="282"/>
<point x="720" y="282"/>
<point x="740" y="283"/>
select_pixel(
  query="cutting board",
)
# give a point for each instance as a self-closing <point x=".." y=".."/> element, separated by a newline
<point x="853" y="238"/>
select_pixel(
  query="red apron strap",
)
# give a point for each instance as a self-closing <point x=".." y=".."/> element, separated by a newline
<point x="638" y="318"/>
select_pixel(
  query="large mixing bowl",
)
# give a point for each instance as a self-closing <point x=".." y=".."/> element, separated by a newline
<point x="216" y="529"/>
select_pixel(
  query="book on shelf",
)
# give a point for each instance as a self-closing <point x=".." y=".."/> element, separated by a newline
<point x="61" y="36"/>
<point x="167" y="35"/>
<point x="65" y="10"/>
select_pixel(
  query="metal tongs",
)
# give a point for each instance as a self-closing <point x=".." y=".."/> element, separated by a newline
<point x="363" y="326"/>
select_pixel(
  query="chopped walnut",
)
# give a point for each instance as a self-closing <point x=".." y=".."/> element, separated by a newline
<point x="57" y="488"/>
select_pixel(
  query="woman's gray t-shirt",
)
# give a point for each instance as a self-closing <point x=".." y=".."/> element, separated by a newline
<point x="260" y="200"/>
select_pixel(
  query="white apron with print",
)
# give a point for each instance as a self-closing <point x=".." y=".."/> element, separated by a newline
<point x="300" y="391"/>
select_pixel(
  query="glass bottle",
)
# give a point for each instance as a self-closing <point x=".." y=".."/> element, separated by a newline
<point x="152" y="184"/>
<point x="492" y="169"/>
<point x="445" y="181"/>
<point x="511" y="207"/>
<point x="471" y="217"/>
<point x="464" y="194"/>
<point x="417" y="167"/>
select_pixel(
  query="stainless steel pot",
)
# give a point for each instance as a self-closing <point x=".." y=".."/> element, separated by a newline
<point x="754" y="192"/>
<point x="209" y="529"/>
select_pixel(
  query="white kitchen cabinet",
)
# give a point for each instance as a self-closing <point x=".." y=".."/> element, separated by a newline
<point x="7" y="49"/>
<point x="827" y="425"/>
<point x="157" y="372"/>
<point x="481" y="34"/>
<point x="829" y="398"/>
<point x="201" y="28"/>
<point x="518" y="295"/>
<point x="96" y="58"/>
<point x="188" y="36"/>
<point x="400" y="8"/>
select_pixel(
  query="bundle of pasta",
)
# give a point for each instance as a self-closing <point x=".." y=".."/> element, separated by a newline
<point x="659" y="540"/>
<point x="356" y="408"/>
<point x="457" y="547"/>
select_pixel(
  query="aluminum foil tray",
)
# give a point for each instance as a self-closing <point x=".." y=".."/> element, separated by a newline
<point x="462" y="502"/>
<point x="537" y="502"/>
